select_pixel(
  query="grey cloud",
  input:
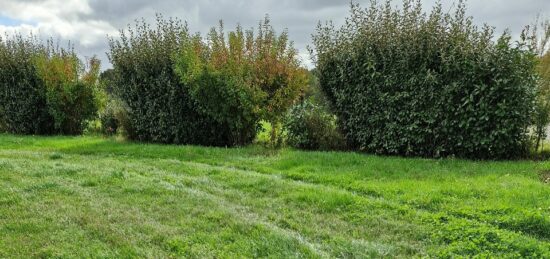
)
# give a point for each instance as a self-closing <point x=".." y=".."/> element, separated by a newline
<point x="115" y="11"/>
<point x="300" y="17"/>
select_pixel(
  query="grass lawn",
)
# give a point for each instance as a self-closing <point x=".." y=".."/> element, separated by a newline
<point x="95" y="197"/>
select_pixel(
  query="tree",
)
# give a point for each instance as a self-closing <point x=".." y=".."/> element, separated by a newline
<point x="244" y="76"/>
<point x="159" y="106"/>
<point x="214" y="73"/>
<point x="277" y="72"/>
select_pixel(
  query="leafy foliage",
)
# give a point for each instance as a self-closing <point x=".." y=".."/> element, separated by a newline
<point x="313" y="92"/>
<point x="410" y="83"/>
<point x="244" y="77"/>
<point x="160" y="108"/>
<point x="45" y="89"/>
<point x="22" y="93"/>
<point x="311" y="126"/>
<point x="114" y="118"/>
<point x="538" y="37"/>
<point x="70" y="91"/>
<point x="215" y="74"/>
<point x="182" y="89"/>
<point x="2" y="122"/>
<point x="276" y="72"/>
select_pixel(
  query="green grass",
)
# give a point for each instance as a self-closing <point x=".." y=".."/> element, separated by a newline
<point x="94" y="197"/>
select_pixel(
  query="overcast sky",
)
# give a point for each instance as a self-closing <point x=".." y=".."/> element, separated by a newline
<point x="86" y="23"/>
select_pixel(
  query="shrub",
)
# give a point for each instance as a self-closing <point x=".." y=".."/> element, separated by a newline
<point x="114" y="119"/>
<point x="310" y="126"/>
<point x="159" y="106"/>
<point x="93" y="128"/>
<point x="215" y="75"/>
<point x="182" y="89"/>
<point x="313" y="92"/>
<point x="45" y="89"/>
<point x="109" y="122"/>
<point x="409" y="83"/>
<point x="2" y="123"/>
<point x="541" y="119"/>
<point x="276" y="71"/>
<point x="22" y="92"/>
<point x="70" y="90"/>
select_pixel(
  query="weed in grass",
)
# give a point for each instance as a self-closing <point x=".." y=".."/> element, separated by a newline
<point x="118" y="175"/>
<point x="545" y="176"/>
<point x="56" y="156"/>
<point x="90" y="183"/>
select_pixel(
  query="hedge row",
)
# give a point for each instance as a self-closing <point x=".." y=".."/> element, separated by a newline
<point x="180" y="88"/>
<point x="406" y="82"/>
<point x="44" y="89"/>
<point x="401" y="81"/>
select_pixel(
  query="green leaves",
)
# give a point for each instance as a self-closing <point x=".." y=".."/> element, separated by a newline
<point x="184" y="89"/>
<point x="311" y="126"/>
<point x="70" y="91"/>
<point x="409" y="83"/>
<point x="157" y="103"/>
<point x="44" y="89"/>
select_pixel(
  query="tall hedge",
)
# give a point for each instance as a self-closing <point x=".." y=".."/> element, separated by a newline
<point x="159" y="106"/>
<point x="185" y="89"/>
<point x="22" y="92"/>
<point x="277" y="73"/>
<point x="44" y="89"/>
<point x="406" y="82"/>
<point x="215" y="77"/>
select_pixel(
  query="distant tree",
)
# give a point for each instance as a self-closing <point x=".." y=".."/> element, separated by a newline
<point x="215" y="73"/>
<point x="71" y="90"/>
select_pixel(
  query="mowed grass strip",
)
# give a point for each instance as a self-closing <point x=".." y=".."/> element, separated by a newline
<point x="95" y="197"/>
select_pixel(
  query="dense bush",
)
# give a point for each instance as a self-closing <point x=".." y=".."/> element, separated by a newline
<point x="114" y="118"/>
<point x="310" y="126"/>
<point x="2" y="121"/>
<point x="44" y="89"/>
<point x="276" y="72"/>
<point x="70" y="90"/>
<point x="159" y="106"/>
<point x="108" y="118"/>
<point x="215" y="74"/>
<point x="405" y="82"/>
<point x="180" y="88"/>
<point x="22" y="92"/>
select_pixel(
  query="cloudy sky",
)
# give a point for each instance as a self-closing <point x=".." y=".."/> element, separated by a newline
<point x="86" y="23"/>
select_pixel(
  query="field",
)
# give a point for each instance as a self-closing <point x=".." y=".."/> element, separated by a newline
<point x="97" y="197"/>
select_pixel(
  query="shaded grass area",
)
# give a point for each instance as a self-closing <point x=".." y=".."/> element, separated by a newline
<point x="94" y="197"/>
